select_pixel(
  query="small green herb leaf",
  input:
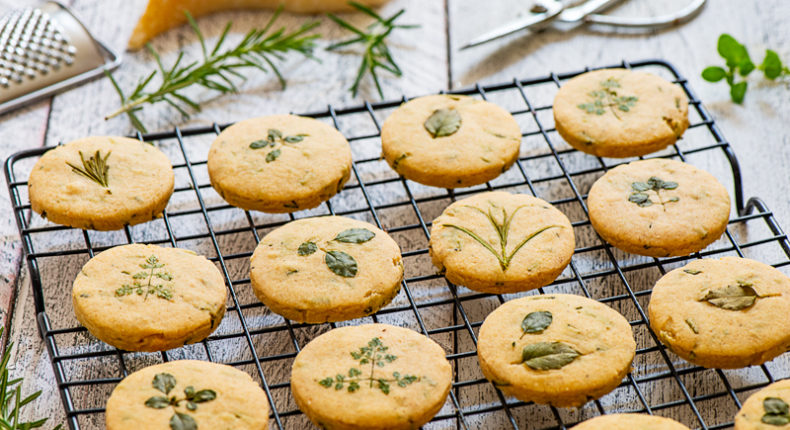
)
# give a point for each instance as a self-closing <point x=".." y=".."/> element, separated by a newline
<point x="738" y="91"/>
<point x="272" y="155"/>
<point x="640" y="199"/>
<point x="341" y="264"/>
<point x="732" y="297"/>
<point x="714" y="74"/>
<point x="692" y="271"/>
<point x="204" y="396"/>
<point x="181" y="421"/>
<point x="775" y="420"/>
<point x="94" y="168"/>
<point x="777" y="412"/>
<point x="306" y="248"/>
<point x="164" y="382"/>
<point x="295" y="138"/>
<point x="273" y="135"/>
<point x="443" y="122"/>
<point x="548" y="355"/>
<point x="772" y="65"/>
<point x="259" y="144"/>
<point x="355" y="235"/>
<point x="157" y="402"/>
<point x="607" y="97"/>
<point x="536" y="322"/>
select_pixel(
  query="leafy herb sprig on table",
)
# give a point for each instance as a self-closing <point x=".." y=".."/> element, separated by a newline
<point x="259" y="49"/>
<point x="373" y="38"/>
<point x="739" y="63"/>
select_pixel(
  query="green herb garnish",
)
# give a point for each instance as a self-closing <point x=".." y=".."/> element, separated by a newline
<point x="607" y="97"/>
<point x="536" y="322"/>
<point x="692" y="271"/>
<point x="259" y="49"/>
<point x="272" y="155"/>
<point x="777" y="412"/>
<point x="161" y="290"/>
<point x="732" y="297"/>
<point x="692" y="325"/>
<point x="355" y="235"/>
<point x="548" y="355"/>
<point x="641" y="198"/>
<point x="374" y="354"/>
<point x="307" y="248"/>
<point x="443" y="122"/>
<point x="94" y="168"/>
<point x="273" y="135"/>
<point x="339" y="262"/>
<point x="502" y="228"/>
<point x="164" y="383"/>
<point x="738" y="62"/>
<point x="373" y="38"/>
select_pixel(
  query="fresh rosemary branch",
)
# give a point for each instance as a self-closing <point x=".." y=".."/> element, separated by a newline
<point x="373" y="38"/>
<point x="94" y="168"/>
<point x="258" y="49"/>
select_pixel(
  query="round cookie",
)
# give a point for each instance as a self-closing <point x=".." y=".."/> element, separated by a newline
<point x="325" y="269"/>
<point x="629" y="422"/>
<point x="727" y="313"/>
<point x="658" y="208"/>
<point x="497" y="242"/>
<point x="195" y="394"/>
<point x="148" y="298"/>
<point x="766" y="409"/>
<point x="101" y="183"/>
<point x="279" y="163"/>
<point x="620" y="113"/>
<point x="373" y="376"/>
<point x="559" y="349"/>
<point x="450" y="141"/>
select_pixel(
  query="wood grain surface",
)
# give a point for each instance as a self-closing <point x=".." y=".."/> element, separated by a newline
<point x="431" y="62"/>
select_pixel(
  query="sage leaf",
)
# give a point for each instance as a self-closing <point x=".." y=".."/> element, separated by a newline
<point x="536" y="322"/>
<point x="341" y="264"/>
<point x="306" y="248"/>
<point x="548" y="355"/>
<point x="732" y="297"/>
<point x="443" y="122"/>
<point x="204" y="396"/>
<point x="775" y="405"/>
<point x="272" y="155"/>
<point x="157" y="402"/>
<point x="164" y="382"/>
<point x="355" y="235"/>
<point x="181" y="421"/>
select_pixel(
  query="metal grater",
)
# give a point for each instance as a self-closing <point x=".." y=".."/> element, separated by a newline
<point x="46" y="50"/>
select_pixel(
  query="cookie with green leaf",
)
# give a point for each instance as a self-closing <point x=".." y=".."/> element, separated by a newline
<point x="372" y="376"/>
<point x="450" y="141"/>
<point x="767" y="409"/>
<point x="558" y="349"/>
<point x="101" y="183"/>
<point x="279" y="163"/>
<point x="629" y="422"/>
<point x="323" y="269"/>
<point x="187" y="395"/>
<point x="619" y="113"/>
<point x="658" y="208"/>
<point x="498" y="242"/>
<point x="723" y="313"/>
<point x="149" y="298"/>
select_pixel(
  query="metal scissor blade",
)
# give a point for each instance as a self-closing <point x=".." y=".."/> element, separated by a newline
<point x="578" y="13"/>
<point x="552" y="9"/>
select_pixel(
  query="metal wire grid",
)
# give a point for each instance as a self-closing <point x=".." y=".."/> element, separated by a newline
<point x="473" y="401"/>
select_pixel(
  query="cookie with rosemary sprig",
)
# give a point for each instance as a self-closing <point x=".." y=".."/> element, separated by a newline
<point x="629" y="422"/>
<point x="373" y="376"/>
<point x="279" y="163"/>
<point x="187" y="394"/>
<point x="619" y="113"/>
<point x="498" y="242"/>
<point x="101" y="183"/>
<point x="450" y="141"/>
<point x="723" y="313"/>
<point x="658" y="208"/>
<point x="324" y="269"/>
<point x="559" y="349"/>
<point x="767" y="409"/>
<point x="149" y="298"/>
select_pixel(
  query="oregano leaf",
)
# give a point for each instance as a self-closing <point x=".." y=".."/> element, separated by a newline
<point x="443" y="122"/>
<point x="164" y="382"/>
<point x="772" y="65"/>
<point x="181" y="421"/>
<point x="157" y="402"/>
<point x="306" y="248"/>
<point x="548" y="355"/>
<point x="732" y="297"/>
<point x="738" y="91"/>
<point x="536" y="322"/>
<point x="355" y="235"/>
<point x="714" y="74"/>
<point x="341" y="264"/>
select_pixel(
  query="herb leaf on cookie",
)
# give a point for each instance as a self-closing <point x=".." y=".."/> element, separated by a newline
<point x="732" y="297"/>
<point x="144" y="282"/>
<point x="548" y="355"/>
<point x="165" y="382"/>
<point x="94" y="168"/>
<point x="443" y="122"/>
<point x="307" y="248"/>
<point x="355" y="235"/>
<point x="641" y="198"/>
<point x="536" y="322"/>
<point x="607" y="97"/>
<point x="341" y="264"/>
<point x="777" y="412"/>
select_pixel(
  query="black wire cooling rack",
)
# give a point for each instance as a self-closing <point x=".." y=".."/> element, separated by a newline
<point x="264" y="344"/>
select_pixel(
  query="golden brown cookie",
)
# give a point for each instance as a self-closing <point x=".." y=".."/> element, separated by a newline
<point x="766" y="409"/>
<point x="558" y="349"/>
<point x="326" y="269"/>
<point x="373" y="376"/>
<point x="620" y="113"/>
<point x="187" y="394"/>
<point x="148" y="298"/>
<point x="101" y="183"/>
<point x="450" y="141"/>
<point x="279" y="163"/>
<point x="630" y="422"/>
<point x="659" y="208"/>
<point x="726" y="313"/>
<point x="497" y="242"/>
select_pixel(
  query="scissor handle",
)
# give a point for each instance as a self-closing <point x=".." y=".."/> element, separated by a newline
<point x="670" y="19"/>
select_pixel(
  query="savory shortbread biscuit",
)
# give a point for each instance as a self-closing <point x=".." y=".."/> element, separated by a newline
<point x="558" y="349"/>
<point x="620" y="113"/>
<point x="373" y="376"/>
<point x="766" y="409"/>
<point x="148" y="298"/>
<point x="450" y="141"/>
<point x="279" y="163"/>
<point x="187" y="394"/>
<point x="101" y="183"/>
<point x="499" y="242"/>
<point x="659" y="208"/>
<point x="326" y="269"/>
<point x="723" y="313"/>
<point x="630" y="422"/>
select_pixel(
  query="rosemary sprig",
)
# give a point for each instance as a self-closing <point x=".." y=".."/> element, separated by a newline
<point x="94" y="168"/>
<point x="373" y="39"/>
<point x="258" y="49"/>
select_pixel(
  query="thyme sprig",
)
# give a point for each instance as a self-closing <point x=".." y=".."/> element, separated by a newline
<point x="373" y="38"/>
<point x="259" y="49"/>
<point x="94" y="168"/>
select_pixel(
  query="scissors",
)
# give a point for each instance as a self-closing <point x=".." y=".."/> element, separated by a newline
<point x="546" y="13"/>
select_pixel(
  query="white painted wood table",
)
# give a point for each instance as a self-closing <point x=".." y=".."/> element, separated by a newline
<point x="431" y="62"/>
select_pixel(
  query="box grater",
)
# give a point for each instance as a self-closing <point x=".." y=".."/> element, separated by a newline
<point x="45" y="50"/>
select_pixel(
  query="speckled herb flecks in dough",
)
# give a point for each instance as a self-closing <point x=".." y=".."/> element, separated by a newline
<point x="607" y="97"/>
<point x="149" y="276"/>
<point x="165" y="382"/>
